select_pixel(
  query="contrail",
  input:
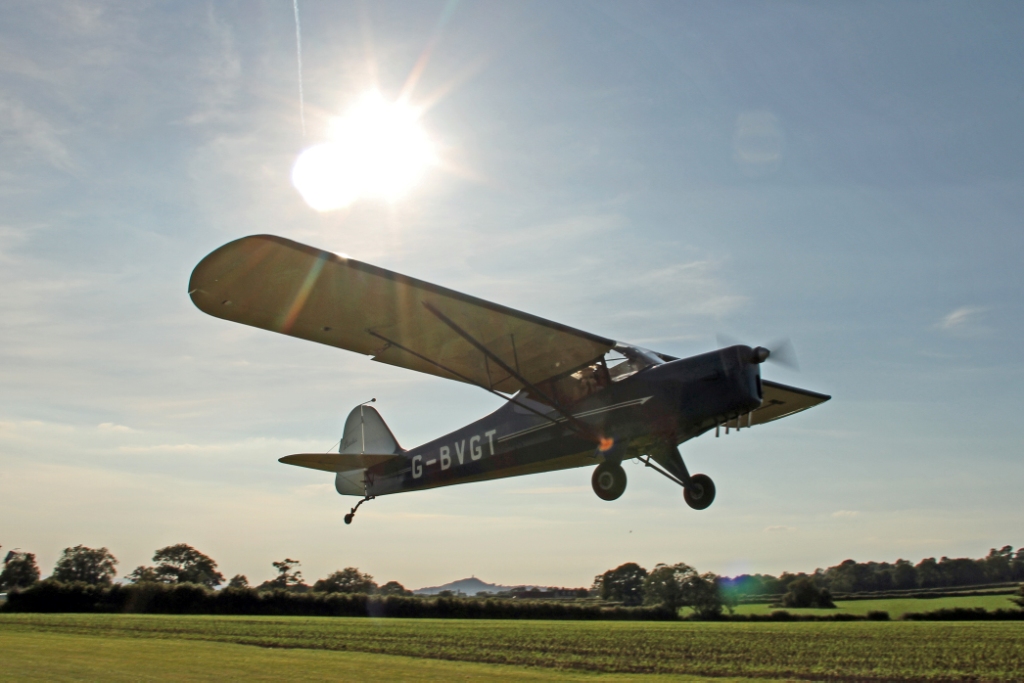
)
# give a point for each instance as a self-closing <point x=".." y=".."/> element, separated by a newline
<point x="298" y="51"/>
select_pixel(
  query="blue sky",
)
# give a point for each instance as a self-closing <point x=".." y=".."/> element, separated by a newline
<point x="847" y="175"/>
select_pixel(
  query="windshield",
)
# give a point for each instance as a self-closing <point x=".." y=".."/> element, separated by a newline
<point x="623" y="361"/>
<point x="632" y="359"/>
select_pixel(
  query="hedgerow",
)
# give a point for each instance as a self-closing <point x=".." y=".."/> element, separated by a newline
<point x="157" y="598"/>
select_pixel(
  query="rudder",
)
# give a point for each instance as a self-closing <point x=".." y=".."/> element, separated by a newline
<point x="365" y="432"/>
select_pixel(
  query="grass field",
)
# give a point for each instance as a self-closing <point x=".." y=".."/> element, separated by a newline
<point x="148" y="647"/>
<point x="49" y="657"/>
<point x="894" y="606"/>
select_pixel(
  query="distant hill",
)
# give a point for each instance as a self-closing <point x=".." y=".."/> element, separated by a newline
<point x="470" y="586"/>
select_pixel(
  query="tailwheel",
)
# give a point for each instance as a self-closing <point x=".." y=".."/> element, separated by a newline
<point x="609" y="480"/>
<point x="700" y="492"/>
<point x="352" y="513"/>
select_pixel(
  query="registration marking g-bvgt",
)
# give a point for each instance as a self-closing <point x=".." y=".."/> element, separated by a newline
<point x="473" y="450"/>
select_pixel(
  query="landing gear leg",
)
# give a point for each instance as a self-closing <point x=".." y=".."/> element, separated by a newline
<point x="698" y="489"/>
<point x="352" y="514"/>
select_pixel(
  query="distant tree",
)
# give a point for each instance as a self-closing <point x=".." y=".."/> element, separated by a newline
<point x="962" y="571"/>
<point x="805" y="593"/>
<point x="625" y="584"/>
<point x="928" y="574"/>
<point x="181" y="563"/>
<point x="756" y="584"/>
<point x="347" y="580"/>
<point x="707" y="600"/>
<point x="679" y="585"/>
<point x="288" y="576"/>
<point x="670" y="585"/>
<point x="998" y="566"/>
<point x="20" y="570"/>
<point x="238" y="581"/>
<point x="89" y="565"/>
<point x="1017" y="566"/>
<point x="395" y="588"/>
<point x="142" y="574"/>
<point x="729" y="598"/>
<point x="446" y="593"/>
<point x="904" y="576"/>
<point x="853" y="577"/>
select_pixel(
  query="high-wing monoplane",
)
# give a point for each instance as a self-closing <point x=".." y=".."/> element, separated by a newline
<point x="572" y="398"/>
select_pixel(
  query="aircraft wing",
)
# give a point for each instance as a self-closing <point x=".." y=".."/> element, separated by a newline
<point x="336" y="462"/>
<point x="780" y="400"/>
<point x="283" y="286"/>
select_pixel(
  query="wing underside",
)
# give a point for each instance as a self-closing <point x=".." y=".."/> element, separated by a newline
<point x="780" y="400"/>
<point x="283" y="286"/>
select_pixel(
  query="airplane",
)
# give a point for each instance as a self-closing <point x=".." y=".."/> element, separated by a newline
<point x="572" y="398"/>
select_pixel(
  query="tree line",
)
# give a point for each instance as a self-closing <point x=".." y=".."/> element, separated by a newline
<point x="180" y="564"/>
<point x="1002" y="565"/>
<point x="672" y="587"/>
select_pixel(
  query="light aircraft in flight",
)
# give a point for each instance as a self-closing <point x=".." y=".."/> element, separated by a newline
<point x="573" y="399"/>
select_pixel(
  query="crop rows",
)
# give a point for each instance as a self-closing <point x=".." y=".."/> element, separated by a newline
<point x="836" y="651"/>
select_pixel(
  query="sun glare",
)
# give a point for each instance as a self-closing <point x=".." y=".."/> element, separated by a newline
<point x="377" y="150"/>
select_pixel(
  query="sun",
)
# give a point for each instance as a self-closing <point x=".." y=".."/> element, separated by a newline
<point x="377" y="150"/>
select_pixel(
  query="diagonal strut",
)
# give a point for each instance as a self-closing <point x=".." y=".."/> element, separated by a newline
<point x="462" y="377"/>
<point x="580" y="427"/>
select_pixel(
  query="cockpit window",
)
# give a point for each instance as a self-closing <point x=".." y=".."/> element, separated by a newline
<point x="567" y="390"/>
<point x="622" y="362"/>
<point x="629" y="361"/>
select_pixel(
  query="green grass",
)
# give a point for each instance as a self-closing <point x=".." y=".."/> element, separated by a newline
<point x="894" y="606"/>
<point x="810" y="650"/>
<point x="40" y="656"/>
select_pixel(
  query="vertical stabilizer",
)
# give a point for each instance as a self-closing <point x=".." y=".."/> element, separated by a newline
<point x="365" y="432"/>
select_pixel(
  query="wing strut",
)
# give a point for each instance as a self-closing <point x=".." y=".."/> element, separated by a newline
<point x="463" y="377"/>
<point x="580" y="428"/>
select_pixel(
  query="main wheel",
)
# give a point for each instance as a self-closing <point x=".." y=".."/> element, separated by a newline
<point x="700" y="493"/>
<point x="609" y="480"/>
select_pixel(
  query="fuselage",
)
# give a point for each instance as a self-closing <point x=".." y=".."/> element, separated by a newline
<point x="662" y="403"/>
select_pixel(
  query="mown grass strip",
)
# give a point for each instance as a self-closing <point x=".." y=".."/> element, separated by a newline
<point x="49" y="657"/>
<point x="938" y="651"/>
<point x="894" y="606"/>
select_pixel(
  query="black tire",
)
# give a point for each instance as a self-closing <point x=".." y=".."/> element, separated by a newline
<point x="348" y="518"/>
<point x="700" y="493"/>
<point x="609" y="480"/>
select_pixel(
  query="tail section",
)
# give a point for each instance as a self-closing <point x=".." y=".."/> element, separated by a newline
<point x="365" y="432"/>
<point x="366" y="442"/>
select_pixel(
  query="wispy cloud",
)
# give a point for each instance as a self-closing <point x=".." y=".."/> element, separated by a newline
<point x="963" y="319"/>
<point x="111" y="427"/>
<point x="219" y="74"/>
<point x="30" y="135"/>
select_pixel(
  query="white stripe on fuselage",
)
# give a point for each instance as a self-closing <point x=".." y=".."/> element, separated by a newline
<point x="585" y="413"/>
<point x="475" y="448"/>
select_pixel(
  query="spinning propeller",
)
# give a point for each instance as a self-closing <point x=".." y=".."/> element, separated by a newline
<point x="780" y="351"/>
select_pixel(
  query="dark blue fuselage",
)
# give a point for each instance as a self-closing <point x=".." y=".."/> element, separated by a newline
<point x="664" y="404"/>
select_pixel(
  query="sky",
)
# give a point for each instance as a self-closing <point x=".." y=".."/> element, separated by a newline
<point x="847" y="176"/>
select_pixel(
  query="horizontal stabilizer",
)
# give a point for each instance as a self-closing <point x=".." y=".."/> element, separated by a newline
<point x="336" y="462"/>
<point x="781" y="400"/>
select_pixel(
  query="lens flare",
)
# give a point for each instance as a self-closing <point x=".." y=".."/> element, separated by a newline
<point x="377" y="150"/>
